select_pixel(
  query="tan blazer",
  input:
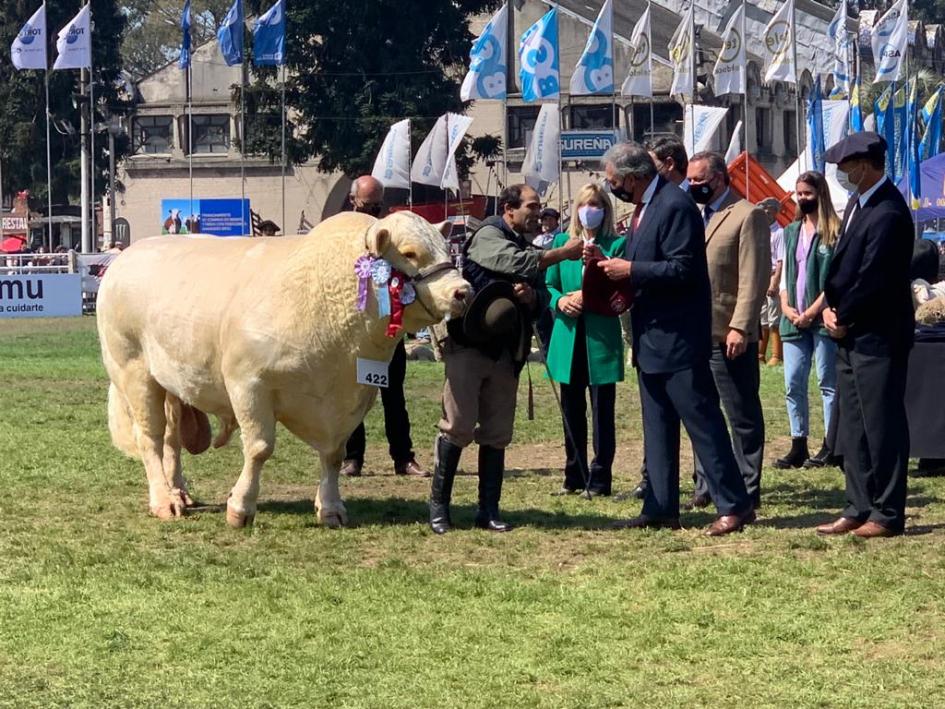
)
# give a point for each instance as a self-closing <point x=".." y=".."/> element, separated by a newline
<point x="738" y="249"/>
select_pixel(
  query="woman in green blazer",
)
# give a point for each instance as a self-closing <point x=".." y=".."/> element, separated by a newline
<point x="586" y="350"/>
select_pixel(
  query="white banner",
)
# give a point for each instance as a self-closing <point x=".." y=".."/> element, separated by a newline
<point x="75" y="42"/>
<point x="430" y="161"/>
<point x="680" y="54"/>
<point x="700" y="125"/>
<point x="542" y="160"/>
<point x="639" y="81"/>
<point x="729" y="71"/>
<point x="779" y="46"/>
<point x="890" y="40"/>
<point x="456" y="127"/>
<point x="392" y="166"/>
<point x="843" y="52"/>
<point x="92" y="268"/>
<point x="735" y="144"/>
<point x="53" y="295"/>
<point x="29" y="48"/>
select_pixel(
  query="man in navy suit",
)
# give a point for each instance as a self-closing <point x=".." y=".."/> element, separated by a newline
<point x="671" y="328"/>
<point x="869" y="312"/>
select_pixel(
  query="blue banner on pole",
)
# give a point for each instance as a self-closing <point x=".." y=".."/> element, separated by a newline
<point x="216" y="217"/>
<point x="269" y="37"/>
<point x="587" y="144"/>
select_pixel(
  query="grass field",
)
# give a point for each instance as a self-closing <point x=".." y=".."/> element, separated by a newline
<point x="101" y="606"/>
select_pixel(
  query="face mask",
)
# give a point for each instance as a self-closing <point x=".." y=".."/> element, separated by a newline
<point x="701" y="193"/>
<point x="621" y="194"/>
<point x="807" y="206"/>
<point x="591" y="217"/>
<point x="374" y="209"/>
<point x="848" y="183"/>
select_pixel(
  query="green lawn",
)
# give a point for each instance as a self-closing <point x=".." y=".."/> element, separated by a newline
<point x="101" y="606"/>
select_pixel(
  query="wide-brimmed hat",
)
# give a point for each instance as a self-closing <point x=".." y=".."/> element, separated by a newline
<point x="492" y="313"/>
<point x="601" y="295"/>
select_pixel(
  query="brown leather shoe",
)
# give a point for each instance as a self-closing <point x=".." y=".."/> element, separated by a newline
<point x="871" y="530"/>
<point x="352" y="468"/>
<point x="839" y="526"/>
<point x="726" y="524"/>
<point x="411" y="467"/>
<point x="645" y="522"/>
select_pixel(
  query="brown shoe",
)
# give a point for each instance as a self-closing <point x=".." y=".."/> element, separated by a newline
<point x="726" y="524"/>
<point x="645" y="522"/>
<point x="870" y="530"/>
<point x="352" y="468"/>
<point x="411" y="467"/>
<point x="839" y="526"/>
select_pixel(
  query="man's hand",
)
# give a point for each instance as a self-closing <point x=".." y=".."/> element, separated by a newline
<point x="572" y="248"/>
<point x="617" y="269"/>
<point x="836" y="330"/>
<point x="592" y="252"/>
<point x="571" y="304"/>
<point x="525" y="294"/>
<point x="735" y="343"/>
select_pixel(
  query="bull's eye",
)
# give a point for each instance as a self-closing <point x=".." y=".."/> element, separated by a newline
<point x="410" y="254"/>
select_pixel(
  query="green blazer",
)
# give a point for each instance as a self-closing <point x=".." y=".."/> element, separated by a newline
<point x="604" y="341"/>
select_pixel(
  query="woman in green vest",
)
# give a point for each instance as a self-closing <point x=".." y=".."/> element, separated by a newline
<point x="808" y="249"/>
<point x="586" y="350"/>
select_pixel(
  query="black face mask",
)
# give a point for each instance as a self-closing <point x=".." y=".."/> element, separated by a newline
<point x="701" y="193"/>
<point x="373" y="209"/>
<point x="807" y="206"/>
<point x="621" y="194"/>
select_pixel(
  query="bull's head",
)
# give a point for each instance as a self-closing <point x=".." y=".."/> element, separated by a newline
<point x="415" y="247"/>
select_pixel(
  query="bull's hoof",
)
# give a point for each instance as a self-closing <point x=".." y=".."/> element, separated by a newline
<point x="237" y="519"/>
<point x="172" y="508"/>
<point x="333" y="518"/>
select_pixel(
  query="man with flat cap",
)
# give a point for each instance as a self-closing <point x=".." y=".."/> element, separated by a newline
<point x="869" y="312"/>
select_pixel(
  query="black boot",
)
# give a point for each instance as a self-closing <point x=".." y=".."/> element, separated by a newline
<point x="821" y="459"/>
<point x="446" y="460"/>
<point x="796" y="456"/>
<point x="491" y="470"/>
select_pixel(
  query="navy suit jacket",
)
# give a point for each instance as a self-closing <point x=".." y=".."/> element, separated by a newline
<point x="671" y="320"/>
<point x="868" y="281"/>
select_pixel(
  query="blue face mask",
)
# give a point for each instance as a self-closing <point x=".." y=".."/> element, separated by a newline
<point x="590" y="217"/>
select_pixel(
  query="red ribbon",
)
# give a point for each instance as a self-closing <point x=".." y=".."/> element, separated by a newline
<point x="395" y="288"/>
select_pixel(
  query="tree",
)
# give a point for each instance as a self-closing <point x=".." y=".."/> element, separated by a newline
<point x="353" y="73"/>
<point x="22" y="120"/>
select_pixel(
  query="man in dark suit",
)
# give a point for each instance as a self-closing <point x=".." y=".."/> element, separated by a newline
<point x="869" y="312"/>
<point x="671" y="328"/>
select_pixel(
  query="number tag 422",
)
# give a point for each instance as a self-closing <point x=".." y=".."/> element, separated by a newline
<point x="372" y="373"/>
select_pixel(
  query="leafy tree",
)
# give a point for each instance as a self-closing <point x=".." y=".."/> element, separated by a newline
<point x="22" y="120"/>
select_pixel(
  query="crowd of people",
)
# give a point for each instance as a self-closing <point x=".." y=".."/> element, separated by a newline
<point x="710" y="281"/>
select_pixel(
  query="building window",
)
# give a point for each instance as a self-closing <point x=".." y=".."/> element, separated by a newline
<point x="600" y="117"/>
<point x="212" y="133"/>
<point x="790" y="133"/>
<point x="763" y="130"/>
<point x="153" y="134"/>
<point x="521" y="124"/>
<point x="667" y="120"/>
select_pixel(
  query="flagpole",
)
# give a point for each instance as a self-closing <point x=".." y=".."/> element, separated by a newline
<point x="243" y="128"/>
<point x="692" y="82"/>
<point x="560" y="157"/>
<point x="188" y="78"/>
<point x="649" y="42"/>
<point x="92" y="226"/>
<point x="797" y="84"/>
<point x="745" y="95"/>
<point x="410" y="167"/>
<point x="48" y="166"/>
<point x="283" y="148"/>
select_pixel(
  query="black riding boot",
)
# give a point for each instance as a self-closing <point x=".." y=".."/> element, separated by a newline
<point x="796" y="456"/>
<point x="491" y="470"/>
<point x="821" y="459"/>
<point x="444" y="471"/>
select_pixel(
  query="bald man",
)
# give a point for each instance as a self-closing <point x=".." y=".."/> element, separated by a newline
<point x="367" y="196"/>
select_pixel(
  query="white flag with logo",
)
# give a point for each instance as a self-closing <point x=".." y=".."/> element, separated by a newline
<point x="842" y="42"/>
<point x="890" y="38"/>
<point x="700" y="125"/>
<point x="735" y="144"/>
<point x="680" y="54"/>
<point x="456" y="127"/>
<point x="729" y="71"/>
<point x="639" y="81"/>
<point x="544" y="151"/>
<point x="430" y="161"/>
<point x="594" y="73"/>
<point x="29" y="48"/>
<point x="75" y="42"/>
<point x="779" y="46"/>
<point x="392" y="166"/>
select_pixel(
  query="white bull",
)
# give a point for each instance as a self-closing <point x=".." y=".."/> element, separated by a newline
<point x="256" y="331"/>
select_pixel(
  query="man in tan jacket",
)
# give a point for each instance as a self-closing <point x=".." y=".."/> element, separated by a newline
<point x="738" y="250"/>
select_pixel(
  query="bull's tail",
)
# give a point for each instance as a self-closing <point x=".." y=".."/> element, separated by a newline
<point x="120" y="423"/>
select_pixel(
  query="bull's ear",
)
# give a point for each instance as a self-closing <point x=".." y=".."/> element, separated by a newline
<point x="445" y="228"/>
<point x="377" y="240"/>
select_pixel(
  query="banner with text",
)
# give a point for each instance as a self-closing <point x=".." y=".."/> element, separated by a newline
<point x="49" y="295"/>
<point x="217" y="217"/>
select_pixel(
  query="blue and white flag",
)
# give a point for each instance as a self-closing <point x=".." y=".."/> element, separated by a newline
<point x="185" y="20"/>
<point x="932" y="115"/>
<point x="594" y="73"/>
<point x="639" y="80"/>
<point x="815" y="130"/>
<point x="29" y="48"/>
<point x="542" y="159"/>
<point x="392" y="165"/>
<point x="912" y="143"/>
<point x="856" y="110"/>
<point x="538" y="54"/>
<point x="842" y="43"/>
<point x="488" y="61"/>
<point x="700" y="125"/>
<point x="75" y="42"/>
<point x="269" y="37"/>
<point x="890" y="37"/>
<point x="230" y="34"/>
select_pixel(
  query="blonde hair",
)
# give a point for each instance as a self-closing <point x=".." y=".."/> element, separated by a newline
<point x="828" y="223"/>
<point x="592" y="193"/>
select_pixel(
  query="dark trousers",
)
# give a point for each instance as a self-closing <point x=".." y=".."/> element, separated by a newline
<point x="396" y="420"/>
<point x="688" y="396"/>
<point x="738" y="381"/>
<point x="574" y="409"/>
<point x="874" y="435"/>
